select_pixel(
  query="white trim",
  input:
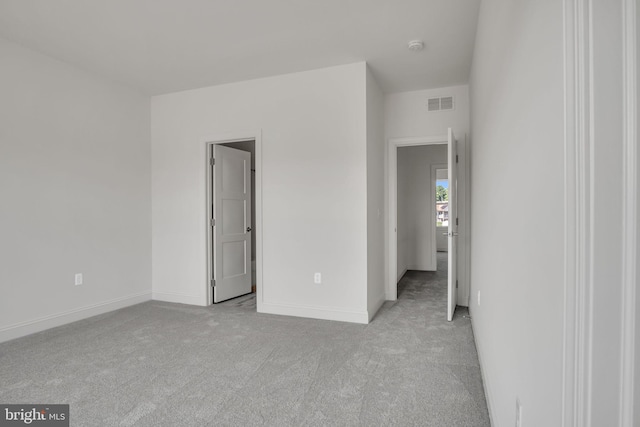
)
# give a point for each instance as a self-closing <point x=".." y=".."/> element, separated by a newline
<point x="419" y="267"/>
<point x="404" y="271"/>
<point x="629" y="212"/>
<point x="484" y="375"/>
<point x="177" y="298"/>
<point x="391" y="289"/>
<point x="315" y="312"/>
<point x="255" y="136"/>
<point x="578" y="192"/>
<point x="465" y="222"/>
<point x="378" y="303"/>
<point x="22" y="329"/>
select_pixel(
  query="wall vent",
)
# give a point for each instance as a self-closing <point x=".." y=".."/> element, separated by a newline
<point x="440" y="104"/>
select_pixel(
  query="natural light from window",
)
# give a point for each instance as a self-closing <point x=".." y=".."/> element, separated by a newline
<point x="442" y="202"/>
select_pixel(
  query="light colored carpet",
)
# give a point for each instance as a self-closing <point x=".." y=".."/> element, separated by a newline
<point x="161" y="364"/>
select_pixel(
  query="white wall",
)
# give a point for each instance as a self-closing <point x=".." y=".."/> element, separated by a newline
<point x="607" y="250"/>
<point x="517" y="152"/>
<point x="75" y="188"/>
<point x="517" y="93"/>
<point x="314" y="178"/>
<point x="375" y="196"/>
<point x="406" y="115"/>
<point x="442" y="241"/>
<point x="608" y="162"/>
<point x="416" y="206"/>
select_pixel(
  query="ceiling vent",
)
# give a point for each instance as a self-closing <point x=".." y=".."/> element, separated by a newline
<point x="440" y="104"/>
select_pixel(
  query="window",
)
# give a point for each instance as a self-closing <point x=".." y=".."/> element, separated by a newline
<point x="442" y="202"/>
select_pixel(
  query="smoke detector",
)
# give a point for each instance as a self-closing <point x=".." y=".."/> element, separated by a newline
<point x="415" y="45"/>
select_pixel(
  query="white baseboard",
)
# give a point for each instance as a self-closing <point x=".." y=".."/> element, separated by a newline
<point x="484" y="375"/>
<point x="29" y="327"/>
<point x="423" y="267"/>
<point x="404" y="271"/>
<point x="179" y="298"/>
<point x="323" y="313"/>
<point x="378" y="303"/>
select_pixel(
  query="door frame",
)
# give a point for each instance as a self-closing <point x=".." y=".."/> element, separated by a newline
<point x="255" y="136"/>
<point x="579" y="178"/>
<point x="392" y="181"/>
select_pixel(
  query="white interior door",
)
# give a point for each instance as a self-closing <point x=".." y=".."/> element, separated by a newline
<point x="231" y="223"/>
<point x="453" y="226"/>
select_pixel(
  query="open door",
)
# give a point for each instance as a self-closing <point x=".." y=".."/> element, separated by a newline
<point x="231" y="223"/>
<point x="453" y="226"/>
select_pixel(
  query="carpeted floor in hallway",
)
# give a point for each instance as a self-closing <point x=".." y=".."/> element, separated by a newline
<point x="162" y="364"/>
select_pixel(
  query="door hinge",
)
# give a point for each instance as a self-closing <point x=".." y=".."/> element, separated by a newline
<point x="213" y="222"/>
<point x="213" y="161"/>
<point x="456" y="283"/>
<point x="456" y="158"/>
<point x="456" y="221"/>
<point x="213" y="282"/>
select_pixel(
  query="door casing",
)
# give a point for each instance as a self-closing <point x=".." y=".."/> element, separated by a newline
<point x="255" y="136"/>
<point x="392" y="235"/>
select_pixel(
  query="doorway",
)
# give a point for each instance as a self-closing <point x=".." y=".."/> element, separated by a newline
<point x="416" y="207"/>
<point x="234" y="207"/>
<point x="393" y="227"/>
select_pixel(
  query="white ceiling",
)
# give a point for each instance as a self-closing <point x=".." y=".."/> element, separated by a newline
<point x="161" y="46"/>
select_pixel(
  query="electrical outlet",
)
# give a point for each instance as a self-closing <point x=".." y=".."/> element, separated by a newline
<point x="518" y="413"/>
<point x="478" y="297"/>
<point x="317" y="278"/>
<point x="78" y="279"/>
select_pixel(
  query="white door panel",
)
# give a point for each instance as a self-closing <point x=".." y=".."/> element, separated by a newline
<point x="453" y="226"/>
<point x="231" y="230"/>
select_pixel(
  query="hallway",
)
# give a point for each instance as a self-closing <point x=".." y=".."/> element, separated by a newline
<point x="162" y="364"/>
<point x="419" y="316"/>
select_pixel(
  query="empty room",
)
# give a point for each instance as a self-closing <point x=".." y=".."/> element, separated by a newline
<point x="319" y="213"/>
